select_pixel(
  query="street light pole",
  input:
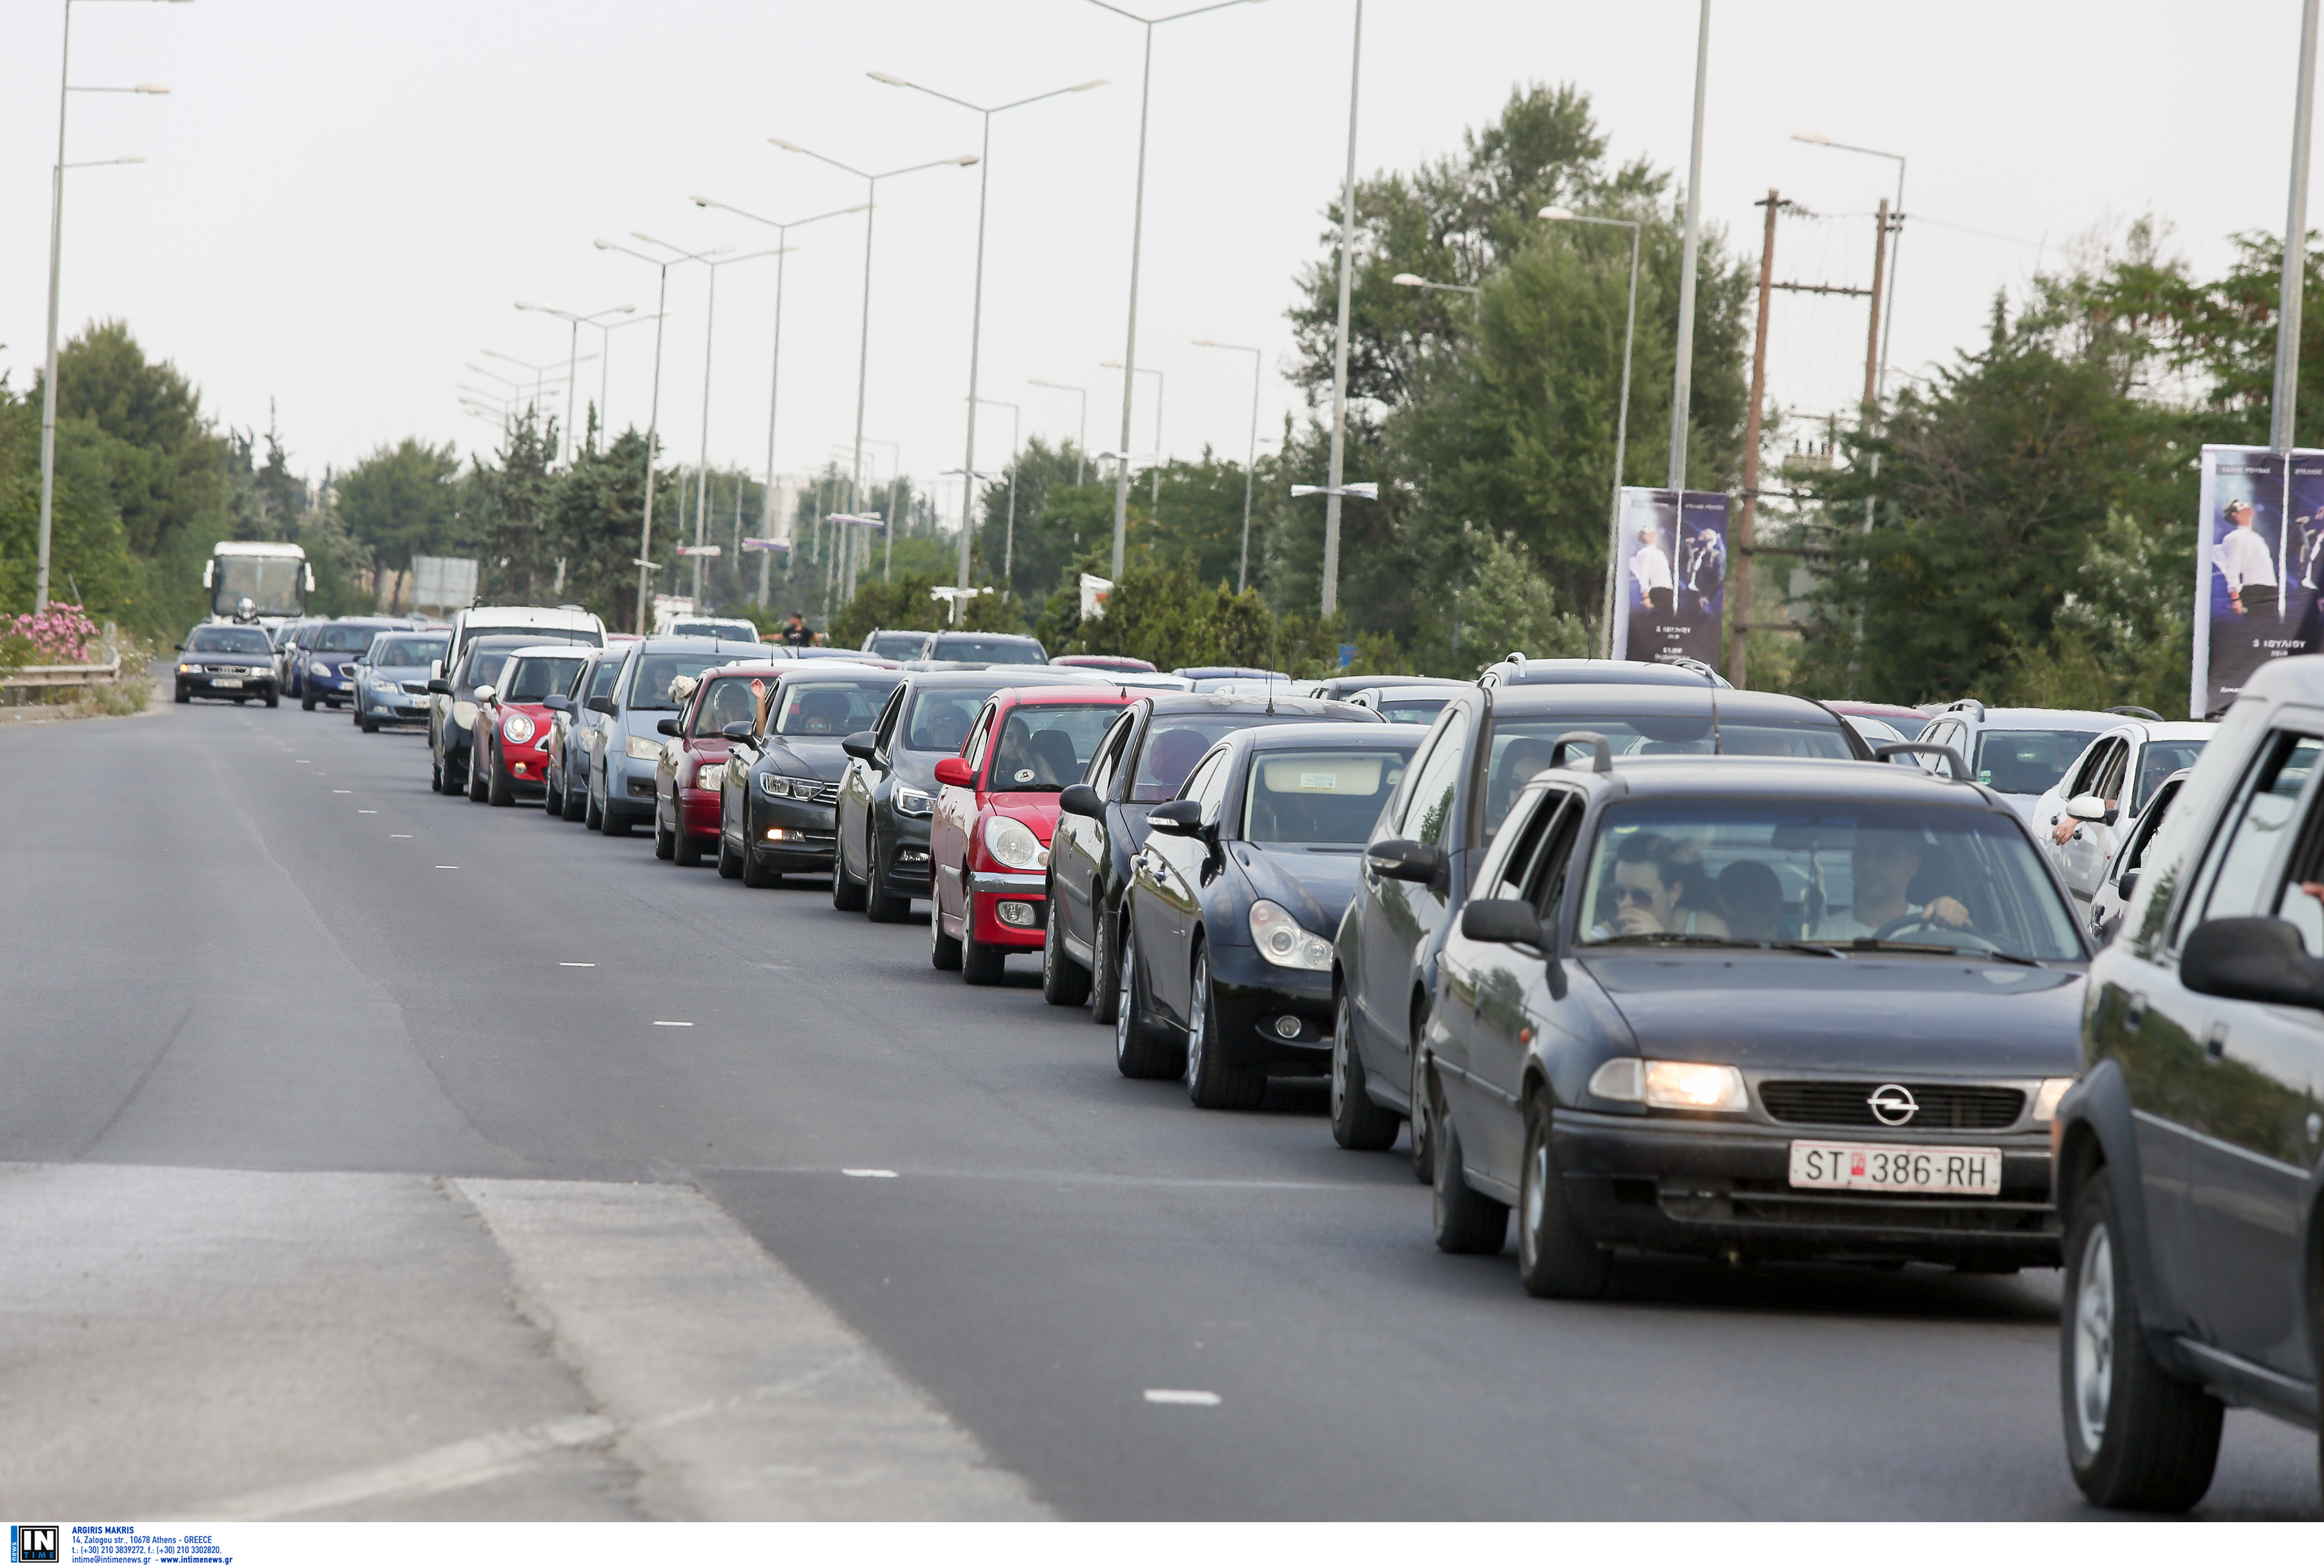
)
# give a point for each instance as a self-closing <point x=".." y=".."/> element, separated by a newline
<point x="1155" y="468"/>
<point x="1080" y="442"/>
<point x="1621" y="410"/>
<point x="1683" y="380"/>
<point x="1009" y="536"/>
<point x="1251" y="466"/>
<point x="2295" y="245"/>
<point x="1334" y="489"/>
<point x="572" y="354"/>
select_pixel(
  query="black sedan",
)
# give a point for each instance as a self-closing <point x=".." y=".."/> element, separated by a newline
<point x="232" y="662"/>
<point x="779" y="798"/>
<point x="1226" y="969"/>
<point x="1753" y="1008"/>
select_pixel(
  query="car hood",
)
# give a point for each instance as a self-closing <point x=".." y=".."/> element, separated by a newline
<point x="803" y="758"/>
<point x="1036" y="808"/>
<point x="1879" y="1017"/>
<point x="399" y="672"/>
<point x="1315" y="885"/>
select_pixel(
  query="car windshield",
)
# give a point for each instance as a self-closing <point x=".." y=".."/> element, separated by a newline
<point x="898" y="644"/>
<point x="2028" y="762"/>
<point x="405" y="652"/>
<point x="831" y="708"/>
<point x="733" y="631"/>
<point x="1175" y="742"/>
<point x="340" y="639"/>
<point x="228" y="640"/>
<point x="534" y="678"/>
<point x="988" y="650"/>
<point x="941" y="715"/>
<point x="1319" y="799"/>
<point x="1046" y="746"/>
<point x="731" y="700"/>
<point x="1412" y="710"/>
<point x="1521" y="746"/>
<point x="484" y="668"/>
<point x="1922" y="878"/>
<point x="650" y="688"/>
<point x="2161" y="760"/>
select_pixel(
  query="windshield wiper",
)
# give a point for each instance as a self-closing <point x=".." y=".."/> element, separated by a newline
<point x="1815" y="949"/>
<point x="1675" y="938"/>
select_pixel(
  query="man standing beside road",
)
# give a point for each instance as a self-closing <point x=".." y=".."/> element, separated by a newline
<point x="2243" y="559"/>
<point x="796" y="634"/>
<point x="1652" y="569"/>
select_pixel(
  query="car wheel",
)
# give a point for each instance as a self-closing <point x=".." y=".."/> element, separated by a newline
<point x="1063" y="983"/>
<point x="1466" y="1221"/>
<point x="755" y="873"/>
<point x="944" y="951"/>
<point x="730" y="864"/>
<point x="1422" y="1114"/>
<point x="881" y="906"/>
<point x="665" y="839"/>
<point x="981" y="963"/>
<point x="689" y="850"/>
<point x="274" y="699"/>
<point x="1554" y="1258"/>
<point x="611" y="823"/>
<point x="306" y="702"/>
<point x="476" y="769"/>
<point x="368" y="726"/>
<point x="552" y="795"/>
<point x="182" y="696"/>
<point x="847" y="894"/>
<point x="1356" y="1122"/>
<point x="1105" y="967"/>
<point x="576" y="802"/>
<point x="2136" y="1437"/>
<point x="434" y="773"/>
<point x="1139" y="1051"/>
<point x="1212" y="1081"/>
<point x="593" y="815"/>
<point x="499" y="788"/>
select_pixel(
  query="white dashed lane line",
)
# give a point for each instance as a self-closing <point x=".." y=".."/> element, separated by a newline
<point x="398" y="835"/>
<point x="867" y="1171"/>
<point x="447" y="868"/>
<point x="1201" y="1396"/>
<point x="570" y="964"/>
<point x="363" y="811"/>
<point x="343" y="792"/>
<point x="672" y="1023"/>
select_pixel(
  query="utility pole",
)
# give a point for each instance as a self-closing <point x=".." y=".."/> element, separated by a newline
<point x="1746" y="528"/>
<point x="2295" y="245"/>
<point x="1334" y="484"/>
<point x="1684" y="376"/>
<point x="1872" y="329"/>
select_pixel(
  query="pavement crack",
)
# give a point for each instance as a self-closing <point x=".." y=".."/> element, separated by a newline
<point x="168" y="1040"/>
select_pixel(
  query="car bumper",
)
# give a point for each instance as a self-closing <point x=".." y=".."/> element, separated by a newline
<point x="991" y="895"/>
<point x="528" y="771"/>
<point x="791" y="836"/>
<point x="697" y="813"/>
<point x="1253" y="997"/>
<point x="910" y="873"/>
<point x="243" y="686"/>
<point x="1721" y="1188"/>
<point x="393" y="708"/>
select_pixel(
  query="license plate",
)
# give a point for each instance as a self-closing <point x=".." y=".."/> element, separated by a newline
<point x="225" y="680"/>
<point x="1896" y="1167"/>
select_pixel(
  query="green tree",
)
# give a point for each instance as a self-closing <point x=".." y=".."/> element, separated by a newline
<point x="403" y="500"/>
<point x="593" y="513"/>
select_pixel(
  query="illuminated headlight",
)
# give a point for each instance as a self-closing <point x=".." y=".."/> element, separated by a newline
<point x="711" y="776"/>
<point x="1284" y="941"/>
<point x="517" y="729"/>
<point x="464" y="714"/>
<point x="641" y="749"/>
<point x="912" y="803"/>
<point x="2045" y="1101"/>
<point x="190" y="670"/>
<point x="1671" y="1085"/>
<point x="1012" y="844"/>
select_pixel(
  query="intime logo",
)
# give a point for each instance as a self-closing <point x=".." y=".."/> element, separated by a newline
<point x="33" y="1543"/>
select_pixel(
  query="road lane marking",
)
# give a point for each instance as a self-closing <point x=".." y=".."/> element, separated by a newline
<point x="672" y="1023"/>
<point x="343" y="792"/>
<point x="396" y="834"/>
<point x="366" y="811"/>
<point x="1201" y="1396"/>
<point x="568" y="964"/>
<point x="447" y="868"/>
<point x="867" y="1171"/>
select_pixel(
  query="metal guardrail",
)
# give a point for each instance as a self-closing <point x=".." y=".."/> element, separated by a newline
<point x="43" y="675"/>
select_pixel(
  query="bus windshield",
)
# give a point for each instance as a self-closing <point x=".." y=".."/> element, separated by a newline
<point x="274" y="584"/>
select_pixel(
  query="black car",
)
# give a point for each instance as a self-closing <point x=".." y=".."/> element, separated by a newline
<point x="1486" y="744"/>
<point x="887" y="792"/>
<point x="1226" y="967"/>
<point x="977" y="649"/>
<point x="1649" y="1031"/>
<point x="232" y="662"/>
<point x="778" y="803"/>
<point x="1141" y="762"/>
<point x="449" y="723"/>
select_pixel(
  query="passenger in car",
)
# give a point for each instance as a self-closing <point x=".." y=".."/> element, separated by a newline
<point x="1882" y="864"/>
<point x="1653" y="890"/>
<point x="1751" y="897"/>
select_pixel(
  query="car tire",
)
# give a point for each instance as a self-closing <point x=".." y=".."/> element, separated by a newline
<point x="981" y="963"/>
<point x="880" y="906"/>
<point x="1356" y="1122"/>
<point x="479" y="768"/>
<point x="848" y="896"/>
<point x="755" y="873"/>
<point x="611" y="823"/>
<point x="944" y="951"/>
<point x="368" y="726"/>
<point x="1553" y="1256"/>
<point x="274" y="699"/>
<point x="2137" y="1438"/>
<point x="306" y="702"/>
<point x="665" y="839"/>
<point x="1213" y="1083"/>
<point x="593" y="815"/>
<point x="552" y="795"/>
<point x="1063" y="983"/>
<point x="1423" y="1113"/>
<point x="688" y="850"/>
<point x="183" y="696"/>
<point x="500" y="789"/>
<point x="1105" y="967"/>
<point x="730" y="864"/>
<point x="577" y="803"/>
<point x="1465" y="1219"/>
<point x="1140" y="1049"/>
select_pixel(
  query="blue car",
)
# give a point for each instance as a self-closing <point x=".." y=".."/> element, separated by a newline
<point x="389" y="681"/>
<point x="322" y="671"/>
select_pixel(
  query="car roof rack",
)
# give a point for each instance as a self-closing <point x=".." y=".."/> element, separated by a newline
<point x="2130" y="712"/>
<point x="1901" y="748"/>
<point x="1971" y="703"/>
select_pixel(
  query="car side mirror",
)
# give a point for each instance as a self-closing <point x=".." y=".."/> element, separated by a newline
<point x="1500" y="920"/>
<point x="1406" y="859"/>
<point x="486" y="692"/>
<point x="181" y="647"/>
<point x="740" y="730"/>
<point x="557" y="702"/>
<point x="2127" y="885"/>
<point x="602" y="705"/>
<point x="1184" y="817"/>
<point x="438" y="686"/>
<point x="956" y="772"/>
<point x="862" y="745"/>
<point x="2087" y="808"/>
<point x="1081" y="800"/>
<point x="435" y="666"/>
<point x="669" y="727"/>
<point x="2250" y="958"/>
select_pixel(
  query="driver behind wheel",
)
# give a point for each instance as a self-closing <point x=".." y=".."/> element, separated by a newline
<point x="1882" y="864"/>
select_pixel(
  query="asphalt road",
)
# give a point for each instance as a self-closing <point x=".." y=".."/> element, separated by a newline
<point x="373" y="1153"/>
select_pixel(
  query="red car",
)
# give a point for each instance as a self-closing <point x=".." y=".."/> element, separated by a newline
<point x="996" y="806"/>
<point x="693" y="766"/>
<point x="508" y="739"/>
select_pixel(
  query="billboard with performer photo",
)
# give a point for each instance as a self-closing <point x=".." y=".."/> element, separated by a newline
<point x="1671" y="583"/>
<point x="2259" y="568"/>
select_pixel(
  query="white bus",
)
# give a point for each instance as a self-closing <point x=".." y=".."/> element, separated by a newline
<point x="250" y="581"/>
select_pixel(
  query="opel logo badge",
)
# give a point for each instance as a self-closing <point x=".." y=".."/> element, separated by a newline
<point x="1893" y="1103"/>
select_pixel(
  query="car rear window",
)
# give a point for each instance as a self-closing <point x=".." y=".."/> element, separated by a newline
<point x="1521" y="746"/>
<point x="1320" y="799"/>
<point x="988" y="650"/>
<point x="534" y="678"/>
<point x="898" y="644"/>
<point x="2028" y="762"/>
<point x="1412" y="710"/>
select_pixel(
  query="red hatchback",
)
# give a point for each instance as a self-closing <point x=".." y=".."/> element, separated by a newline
<point x="693" y="766"/>
<point x="507" y="741"/>
<point x="996" y="806"/>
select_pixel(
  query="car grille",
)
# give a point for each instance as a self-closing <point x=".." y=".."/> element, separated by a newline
<point x="827" y="794"/>
<point x="1944" y="1107"/>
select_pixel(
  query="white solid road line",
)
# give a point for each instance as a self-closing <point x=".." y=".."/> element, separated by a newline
<point x="1181" y="1397"/>
<point x="398" y="835"/>
<point x="343" y="792"/>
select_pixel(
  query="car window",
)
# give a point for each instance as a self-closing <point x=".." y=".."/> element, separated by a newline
<point x="827" y="708"/>
<point x="731" y="631"/>
<point x="884" y="730"/>
<point x="1412" y="710"/>
<point x="534" y="678"/>
<point x="608" y="671"/>
<point x="970" y="650"/>
<point x="2262" y="826"/>
<point x="898" y="644"/>
<point x="343" y="639"/>
<point x="1108" y="762"/>
<point x="1544" y="886"/>
<point x="485" y="665"/>
<point x="2026" y="762"/>
<point x="650" y="686"/>
<point x="404" y="652"/>
<point x="1429" y="816"/>
<point x="2107" y="783"/>
<point x="940" y="716"/>
<point x="977" y="735"/>
<point x="1822" y="870"/>
<point x="1175" y="742"/>
<point x="2148" y="824"/>
<point x="1320" y="798"/>
<point x="1521" y="746"/>
<point x="728" y="700"/>
<point x="1204" y="785"/>
<point x="228" y="640"/>
<point x="2158" y="761"/>
<point x="1047" y="745"/>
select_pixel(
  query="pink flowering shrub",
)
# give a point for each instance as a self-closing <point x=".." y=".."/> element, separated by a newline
<point x="58" y="635"/>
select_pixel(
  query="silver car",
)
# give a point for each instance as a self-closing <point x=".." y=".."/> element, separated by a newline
<point x="576" y="731"/>
<point x="620" y="788"/>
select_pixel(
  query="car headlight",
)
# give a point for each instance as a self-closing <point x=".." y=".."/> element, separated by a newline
<point x="190" y="670"/>
<point x="1284" y="941"/>
<point x="642" y="749"/>
<point x="316" y="666"/>
<point x="710" y="777"/>
<point x="2045" y="1101"/>
<point x="912" y="802"/>
<point x="464" y="714"/>
<point x="774" y="784"/>
<point x="517" y="729"/>
<point x="1671" y="1085"/>
<point x="1012" y="844"/>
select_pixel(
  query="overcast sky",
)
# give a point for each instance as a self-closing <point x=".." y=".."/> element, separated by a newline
<point x="342" y="202"/>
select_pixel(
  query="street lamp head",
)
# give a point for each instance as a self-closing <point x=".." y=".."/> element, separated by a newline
<point x="882" y="76"/>
<point x="786" y="146"/>
<point x="1204" y="343"/>
<point x="965" y="160"/>
<point x="154" y="88"/>
<point x="1814" y="138"/>
<point x="1557" y="213"/>
<point x="132" y="158"/>
<point x="1409" y="281"/>
<point x="603" y="245"/>
<point x="706" y="201"/>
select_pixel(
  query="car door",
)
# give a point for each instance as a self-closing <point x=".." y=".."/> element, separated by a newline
<point x="1480" y="994"/>
<point x="859" y="786"/>
<point x="954" y="820"/>
<point x="1077" y="843"/>
<point x="1167" y="876"/>
<point x="1402" y="915"/>
<point x="2080" y="855"/>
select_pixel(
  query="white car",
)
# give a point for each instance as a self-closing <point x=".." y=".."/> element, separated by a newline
<point x="2121" y="878"/>
<point x="2081" y="820"/>
<point x="2018" y="753"/>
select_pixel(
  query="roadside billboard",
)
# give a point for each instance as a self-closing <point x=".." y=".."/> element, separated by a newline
<point x="1672" y="581"/>
<point x="2259" y="568"/>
